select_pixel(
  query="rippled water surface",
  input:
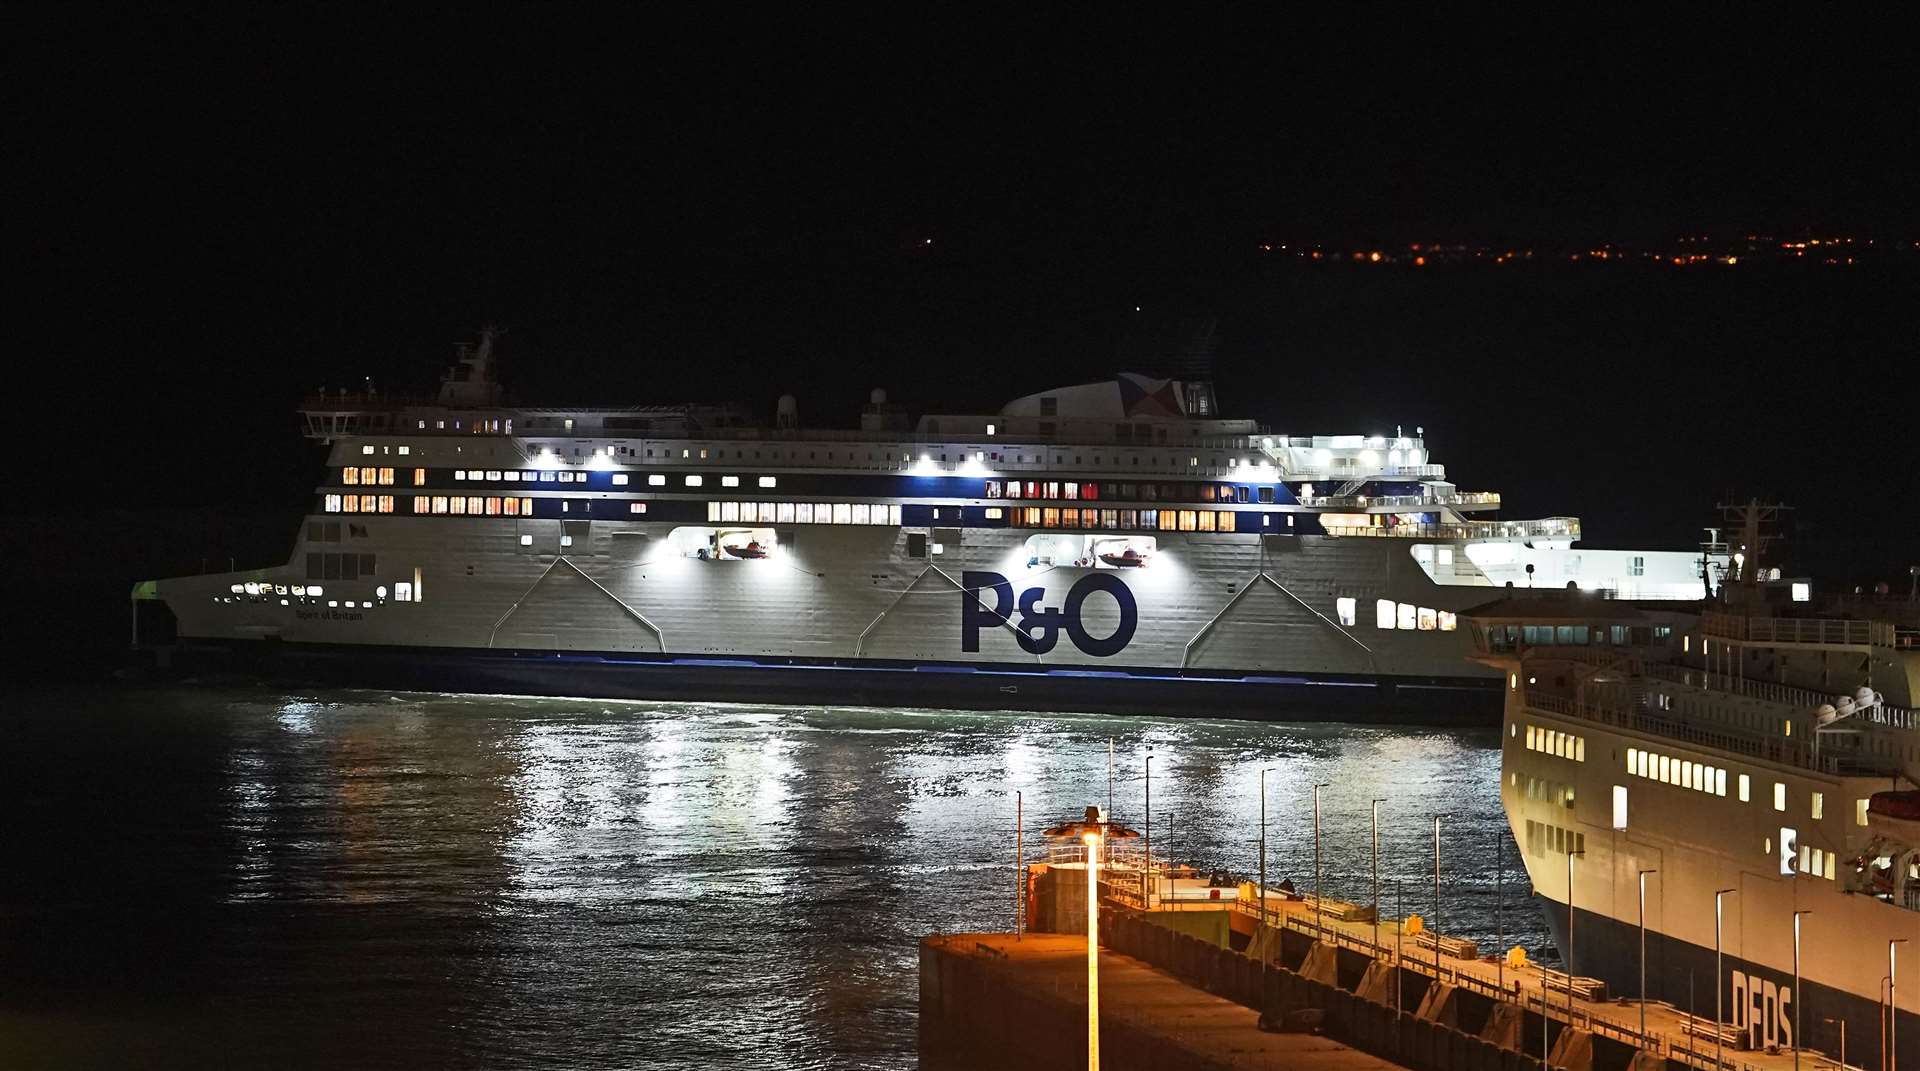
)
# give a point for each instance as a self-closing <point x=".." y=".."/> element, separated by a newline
<point x="243" y="876"/>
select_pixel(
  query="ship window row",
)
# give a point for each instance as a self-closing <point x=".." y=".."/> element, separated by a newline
<point x="358" y="504"/>
<point x="804" y="512"/>
<point x="1510" y="637"/>
<point x="1542" y="790"/>
<point x="473" y="505"/>
<point x="401" y="450"/>
<point x="1545" y="838"/>
<point x="367" y="476"/>
<point x="1401" y="615"/>
<point x="1148" y="520"/>
<point x="525" y="475"/>
<point x="1144" y="492"/>
<point x="1816" y="863"/>
<point x="1681" y="773"/>
<point x="339" y="566"/>
<point x="1554" y="742"/>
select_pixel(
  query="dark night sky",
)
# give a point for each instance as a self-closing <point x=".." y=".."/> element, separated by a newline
<point x="216" y="209"/>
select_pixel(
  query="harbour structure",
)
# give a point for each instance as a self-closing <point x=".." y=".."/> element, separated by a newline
<point x="1720" y="810"/>
<point x="1112" y="545"/>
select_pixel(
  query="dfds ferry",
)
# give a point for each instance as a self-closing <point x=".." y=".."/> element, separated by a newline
<point x="1740" y="786"/>
<point x="1109" y="546"/>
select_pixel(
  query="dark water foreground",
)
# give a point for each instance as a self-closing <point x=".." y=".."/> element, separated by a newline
<point x="205" y="876"/>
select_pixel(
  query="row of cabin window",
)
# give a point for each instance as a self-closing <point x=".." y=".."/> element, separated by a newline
<point x="1539" y="788"/>
<point x="1703" y="778"/>
<point x="404" y="450"/>
<point x="370" y="476"/>
<point x="1555" y="742"/>
<point x="358" y="504"/>
<point x="1510" y="637"/>
<point x="526" y="475"/>
<point x="339" y="566"/>
<point x="1145" y="520"/>
<point x="1144" y="492"/>
<point x="1403" y="615"/>
<point x="804" y="512"/>
<point x="473" y="505"/>
<point x="1683" y="773"/>
<point x="1544" y="838"/>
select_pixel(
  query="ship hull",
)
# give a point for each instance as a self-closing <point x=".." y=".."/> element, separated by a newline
<point x="1681" y="973"/>
<point x="1243" y="624"/>
<point x="961" y="686"/>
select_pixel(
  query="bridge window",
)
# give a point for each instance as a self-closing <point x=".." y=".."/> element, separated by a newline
<point x="1345" y="609"/>
<point x="1779" y="796"/>
<point x="1383" y="615"/>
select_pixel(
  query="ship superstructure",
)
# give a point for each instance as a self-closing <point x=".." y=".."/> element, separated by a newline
<point x="1107" y="545"/>
<point x="1737" y="785"/>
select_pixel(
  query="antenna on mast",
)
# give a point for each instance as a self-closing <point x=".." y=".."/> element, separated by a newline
<point x="1755" y="521"/>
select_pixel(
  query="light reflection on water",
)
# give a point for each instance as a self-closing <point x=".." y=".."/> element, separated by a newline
<point x="504" y="881"/>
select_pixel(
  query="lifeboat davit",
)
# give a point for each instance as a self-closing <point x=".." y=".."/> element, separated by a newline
<point x="1126" y="559"/>
<point x="751" y="550"/>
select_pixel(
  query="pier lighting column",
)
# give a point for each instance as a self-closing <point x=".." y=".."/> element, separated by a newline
<point x="1436" y="896"/>
<point x="1093" y="840"/>
<point x="1543" y="989"/>
<point x="1263" y="850"/>
<point x="1376" y="877"/>
<point x="1719" y="976"/>
<point x="1019" y="859"/>
<point x="1643" y="951"/>
<point x="1146" y="863"/>
<point x="1319" y="919"/>
<point x="1893" y="1009"/>
<point x="1796" y="985"/>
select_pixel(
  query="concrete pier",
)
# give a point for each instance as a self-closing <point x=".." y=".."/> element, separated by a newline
<point x="989" y="1000"/>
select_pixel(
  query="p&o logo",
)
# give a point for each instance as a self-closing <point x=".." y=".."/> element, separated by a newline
<point x="987" y="601"/>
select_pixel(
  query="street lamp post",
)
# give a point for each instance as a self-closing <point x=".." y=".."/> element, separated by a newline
<point x="1796" y="985"/>
<point x="1399" y="958"/>
<point x="1146" y="864"/>
<point x="1263" y="851"/>
<point x="1543" y="997"/>
<point x="1019" y="810"/>
<point x="1319" y="919"/>
<point x="1093" y="840"/>
<point x="1436" y="896"/>
<point x="1643" y="953"/>
<point x="1893" y="1008"/>
<point x="1499" y="902"/>
<point x="1842" y="1024"/>
<point x="1719" y="981"/>
<point x="1376" y="876"/>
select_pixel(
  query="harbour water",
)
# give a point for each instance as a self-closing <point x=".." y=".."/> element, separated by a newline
<point x="236" y="875"/>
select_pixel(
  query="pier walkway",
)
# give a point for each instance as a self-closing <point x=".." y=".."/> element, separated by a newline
<point x="994" y="1000"/>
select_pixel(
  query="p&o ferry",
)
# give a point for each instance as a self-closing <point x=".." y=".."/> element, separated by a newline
<point x="1115" y="545"/>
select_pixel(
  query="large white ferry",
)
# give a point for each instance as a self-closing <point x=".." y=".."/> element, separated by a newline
<point x="1114" y="545"/>
<point x="1737" y="789"/>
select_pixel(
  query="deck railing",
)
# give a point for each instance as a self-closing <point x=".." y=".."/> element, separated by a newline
<point x="1549" y="528"/>
<point x="1827" y="630"/>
